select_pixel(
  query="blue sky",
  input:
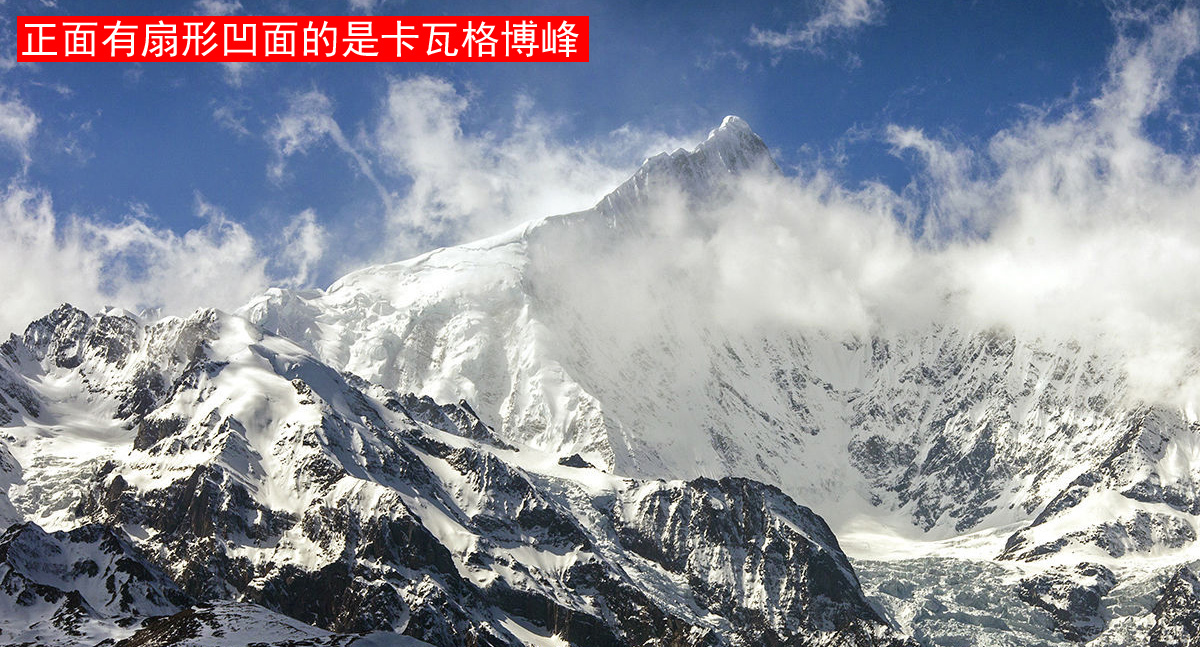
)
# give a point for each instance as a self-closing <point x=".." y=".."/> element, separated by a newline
<point x="295" y="173"/>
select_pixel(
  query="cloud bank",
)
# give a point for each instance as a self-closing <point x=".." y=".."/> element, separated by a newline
<point x="48" y="259"/>
<point x="1073" y="223"/>
<point x="1070" y="225"/>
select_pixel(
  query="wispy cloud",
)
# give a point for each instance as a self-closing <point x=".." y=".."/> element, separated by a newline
<point x="463" y="185"/>
<point x="303" y="244"/>
<point x="365" y="6"/>
<point x="833" y="19"/>
<point x="236" y="74"/>
<point x="217" y="7"/>
<point x="226" y="115"/>
<point x="18" y="126"/>
<point x="438" y="184"/>
<point x="308" y="122"/>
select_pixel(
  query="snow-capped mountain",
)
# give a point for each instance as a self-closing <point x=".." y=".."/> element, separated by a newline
<point x="469" y="446"/>
<point x="914" y="437"/>
<point x="944" y="430"/>
<point x="201" y="460"/>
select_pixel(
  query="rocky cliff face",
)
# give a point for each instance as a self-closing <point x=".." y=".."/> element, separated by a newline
<point x="1073" y="597"/>
<point x="65" y="587"/>
<point x="202" y="460"/>
<point x="1177" y="614"/>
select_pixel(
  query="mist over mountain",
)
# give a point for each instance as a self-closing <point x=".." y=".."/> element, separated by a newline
<point x="728" y="404"/>
<point x="313" y="437"/>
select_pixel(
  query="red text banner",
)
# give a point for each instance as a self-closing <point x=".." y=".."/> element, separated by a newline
<point x="244" y="39"/>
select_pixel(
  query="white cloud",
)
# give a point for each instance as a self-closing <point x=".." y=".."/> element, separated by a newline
<point x="308" y="122"/>
<point x="18" y="125"/>
<point x="438" y="184"/>
<point x="365" y="6"/>
<point x="236" y="73"/>
<point x="226" y="116"/>
<point x="464" y="186"/>
<point x="217" y="7"/>
<point x="47" y="260"/>
<point x="302" y="246"/>
<point x="834" y="18"/>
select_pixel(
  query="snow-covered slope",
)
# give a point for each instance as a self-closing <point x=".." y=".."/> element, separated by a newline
<point x="924" y="440"/>
<point x="79" y="586"/>
<point x="928" y="433"/>
<point x="467" y="443"/>
<point x="201" y="459"/>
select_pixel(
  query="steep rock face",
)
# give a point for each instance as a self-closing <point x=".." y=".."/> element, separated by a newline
<point x="749" y="554"/>
<point x="1073" y="598"/>
<point x="244" y="468"/>
<point x="54" y="587"/>
<point x="731" y="149"/>
<point x="1177" y="614"/>
<point x="1139" y="494"/>
<point x="10" y="474"/>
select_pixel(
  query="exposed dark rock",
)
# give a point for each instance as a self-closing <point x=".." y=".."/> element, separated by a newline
<point x="58" y="337"/>
<point x="1177" y="613"/>
<point x="339" y="507"/>
<point x="704" y="528"/>
<point x="1141" y="533"/>
<point x="575" y="460"/>
<point x="92" y="558"/>
<point x="1073" y="596"/>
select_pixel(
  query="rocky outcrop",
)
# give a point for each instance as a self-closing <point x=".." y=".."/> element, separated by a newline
<point x="1073" y="596"/>
<point x="1177" y="614"/>
<point x="237" y="466"/>
<point x="54" y="585"/>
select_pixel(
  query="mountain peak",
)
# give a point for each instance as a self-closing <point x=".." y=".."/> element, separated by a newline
<point x="736" y="147"/>
<point x="732" y="124"/>
<point x="730" y="149"/>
